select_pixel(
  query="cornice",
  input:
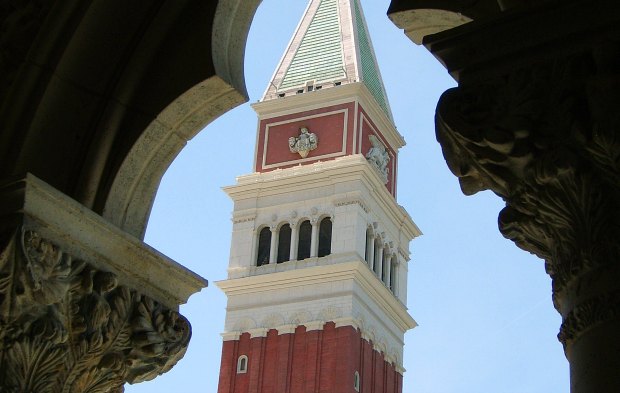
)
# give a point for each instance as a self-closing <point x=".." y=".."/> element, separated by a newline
<point x="89" y="237"/>
<point x="352" y="92"/>
<point x="321" y="175"/>
<point x="355" y="270"/>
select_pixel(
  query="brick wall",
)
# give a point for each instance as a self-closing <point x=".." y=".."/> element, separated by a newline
<point x="318" y="361"/>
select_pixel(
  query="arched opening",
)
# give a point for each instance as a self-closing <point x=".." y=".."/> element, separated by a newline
<point x="284" y="243"/>
<point x="242" y="364"/>
<point x="305" y="240"/>
<point x="264" y="247"/>
<point x="356" y="381"/>
<point x="325" y="237"/>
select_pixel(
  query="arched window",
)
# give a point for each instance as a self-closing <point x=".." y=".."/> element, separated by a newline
<point x="325" y="237"/>
<point x="264" y="245"/>
<point x="305" y="238"/>
<point x="284" y="243"/>
<point x="356" y="381"/>
<point x="242" y="364"/>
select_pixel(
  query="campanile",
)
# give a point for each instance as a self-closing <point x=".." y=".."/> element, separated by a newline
<point x="317" y="277"/>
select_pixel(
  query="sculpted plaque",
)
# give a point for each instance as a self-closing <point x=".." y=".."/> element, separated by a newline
<point x="304" y="143"/>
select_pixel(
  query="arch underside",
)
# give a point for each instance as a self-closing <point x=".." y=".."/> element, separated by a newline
<point x="99" y="98"/>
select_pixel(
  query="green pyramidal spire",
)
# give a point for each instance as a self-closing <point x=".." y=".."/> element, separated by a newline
<point x="331" y="47"/>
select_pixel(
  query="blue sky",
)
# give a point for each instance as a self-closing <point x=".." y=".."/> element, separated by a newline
<point x="486" y="321"/>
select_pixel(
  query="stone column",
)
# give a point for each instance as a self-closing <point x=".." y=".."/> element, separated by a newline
<point x="371" y="251"/>
<point x="379" y="261"/>
<point x="389" y="271"/>
<point x="83" y="305"/>
<point x="273" y="247"/>
<point x="546" y="138"/>
<point x="536" y="121"/>
<point x="294" y="241"/>
<point x="314" y="240"/>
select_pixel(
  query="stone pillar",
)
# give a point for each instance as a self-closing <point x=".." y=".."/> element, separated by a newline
<point x="389" y="271"/>
<point x="314" y="240"/>
<point x="273" y="247"/>
<point x="379" y="261"/>
<point x="371" y="251"/>
<point x="536" y="121"/>
<point x="546" y="138"/>
<point x="83" y="305"/>
<point x="294" y="241"/>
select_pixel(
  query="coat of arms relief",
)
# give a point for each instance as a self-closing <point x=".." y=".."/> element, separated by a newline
<point x="304" y="143"/>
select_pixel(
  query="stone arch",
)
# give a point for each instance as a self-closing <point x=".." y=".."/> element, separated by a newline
<point x="133" y="189"/>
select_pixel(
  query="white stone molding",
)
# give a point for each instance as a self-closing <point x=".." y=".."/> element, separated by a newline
<point x="258" y="332"/>
<point x="273" y="320"/>
<point x="231" y="336"/>
<point x="286" y="329"/>
<point x="300" y="317"/>
<point x="241" y="218"/>
<point x="314" y="325"/>
<point x="245" y="325"/>
<point x="330" y="313"/>
<point x="348" y="321"/>
<point x="333" y="314"/>
<point x="346" y="202"/>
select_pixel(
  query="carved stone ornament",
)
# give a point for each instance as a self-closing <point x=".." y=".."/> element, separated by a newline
<point x="66" y="326"/>
<point x="304" y="143"/>
<point x="546" y="139"/>
<point x="378" y="157"/>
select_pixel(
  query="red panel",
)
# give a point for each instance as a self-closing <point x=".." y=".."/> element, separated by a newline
<point x="368" y="127"/>
<point x="328" y="128"/>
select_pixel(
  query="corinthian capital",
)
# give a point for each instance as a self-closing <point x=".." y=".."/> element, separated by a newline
<point x="76" y="312"/>
<point x="546" y="139"/>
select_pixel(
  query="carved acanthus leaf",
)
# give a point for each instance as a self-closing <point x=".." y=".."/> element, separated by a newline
<point x="68" y="327"/>
<point x="526" y="136"/>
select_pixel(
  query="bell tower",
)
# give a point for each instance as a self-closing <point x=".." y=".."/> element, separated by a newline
<point x="317" y="277"/>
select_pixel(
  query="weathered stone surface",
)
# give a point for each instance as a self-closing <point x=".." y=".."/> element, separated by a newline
<point x="535" y="120"/>
<point x="83" y="306"/>
<point x="68" y="327"/>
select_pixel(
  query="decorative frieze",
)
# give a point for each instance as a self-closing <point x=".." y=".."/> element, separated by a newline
<point x="284" y="324"/>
